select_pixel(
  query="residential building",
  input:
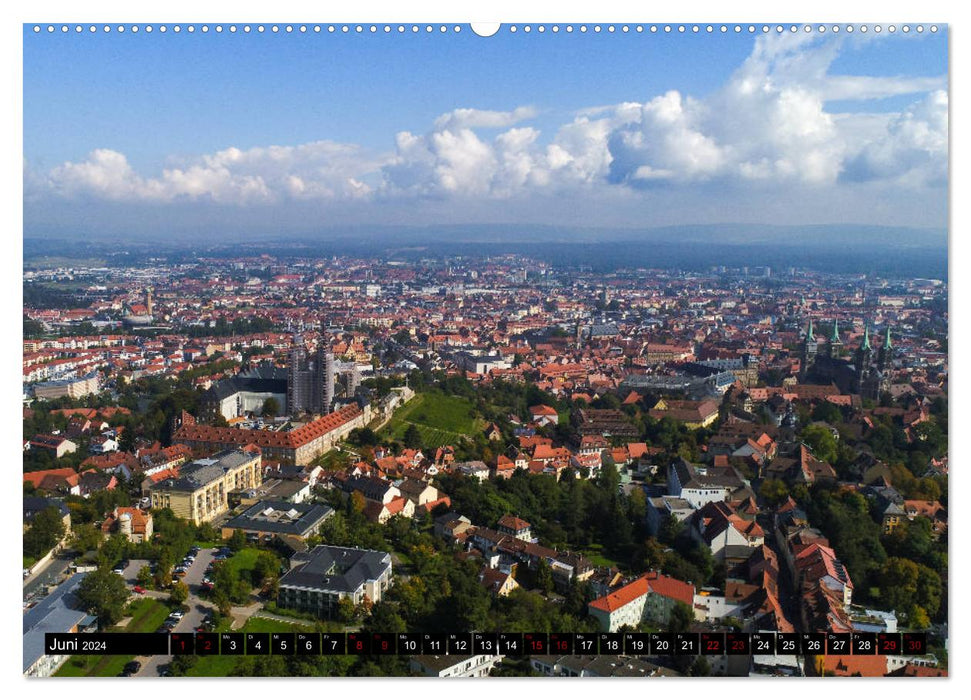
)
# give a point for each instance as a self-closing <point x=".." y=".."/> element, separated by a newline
<point x="650" y="597"/>
<point x="454" y="666"/>
<point x="133" y="524"/>
<point x="56" y="445"/>
<point x="320" y="578"/>
<point x="200" y="492"/>
<point x="516" y="527"/>
<point x="699" y="484"/>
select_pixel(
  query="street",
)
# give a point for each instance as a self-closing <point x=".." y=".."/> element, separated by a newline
<point x="48" y="574"/>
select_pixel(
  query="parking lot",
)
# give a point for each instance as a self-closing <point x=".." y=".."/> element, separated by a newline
<point x="193" y="618"/>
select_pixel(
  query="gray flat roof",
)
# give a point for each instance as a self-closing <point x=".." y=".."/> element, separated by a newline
<point x="281" y="517"/>
<point x="338" y="569"/>
<point x="58" y="612"/>
<point x="200" y="472"/>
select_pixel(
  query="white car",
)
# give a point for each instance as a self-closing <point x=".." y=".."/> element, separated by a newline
<point x="176" y="614"/>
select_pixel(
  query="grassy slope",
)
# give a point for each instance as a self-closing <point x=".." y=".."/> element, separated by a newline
<point x="441" y="419"/>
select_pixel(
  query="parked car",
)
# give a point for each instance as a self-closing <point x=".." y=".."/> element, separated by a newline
<point x="132" y="667"/>
<point x="138" y="589"/>
<point x="176" y="614"/>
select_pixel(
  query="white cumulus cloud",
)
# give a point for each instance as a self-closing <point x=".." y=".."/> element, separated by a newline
<point x="773" y="124"/>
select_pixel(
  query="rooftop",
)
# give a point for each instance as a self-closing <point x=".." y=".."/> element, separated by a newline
<point x="281" y="517"/>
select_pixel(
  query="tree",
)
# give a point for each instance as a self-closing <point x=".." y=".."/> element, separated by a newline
<point x="827" y="412"/>
<point x="822" y="442"/>
<point x="898" y="583"/>
<point x="266" y="570"/>
<point x="45" y="532"/>
<point x="237" y="540"/>
<point x="544" y="577"/>
<point x="104" y="594"/>
<point x="670" y="529"/>
<point x="180" y="593"/>
<point x="144" y="577"/>
<point x="773" y="491"/>
<point x="182" y="663"/>
<point x="86" y="537"/>
<point x="699" y="667"/>
<point x="271" y="407"/>
<point x="220" y="599"/>
<point x="917" y="618"/>
<point x="346" y="610"/>
<point x="412" y="438"/>
<point x="680" y="618"/>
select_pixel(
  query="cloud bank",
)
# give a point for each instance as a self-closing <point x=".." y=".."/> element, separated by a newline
<point x="767" y="128"/>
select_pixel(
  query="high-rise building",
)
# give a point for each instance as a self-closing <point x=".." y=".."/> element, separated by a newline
<point x="311" y="378"/>
<point x="298" y="378"/>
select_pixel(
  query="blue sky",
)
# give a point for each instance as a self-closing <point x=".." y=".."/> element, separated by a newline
<point x="427" y="128"/>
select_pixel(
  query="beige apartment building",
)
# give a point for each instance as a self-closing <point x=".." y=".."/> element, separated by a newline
<point x="200" y="492"/>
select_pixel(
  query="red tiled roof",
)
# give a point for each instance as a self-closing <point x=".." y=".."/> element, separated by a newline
<point x="846" y="665"/>
<point x="37" y="477"/>
<point x="542" y="411"/>
<point x="513" y="523"/>
<point x="267" y="438"/>
<point x="648" y="583"/>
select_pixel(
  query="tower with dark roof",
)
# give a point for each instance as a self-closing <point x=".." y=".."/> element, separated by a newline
<point x="885" y="356"/>
<point x="809" y="350"/>
<point x="835" y="346"/>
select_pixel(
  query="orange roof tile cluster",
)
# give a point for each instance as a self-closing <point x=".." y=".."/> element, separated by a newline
<point x="66" y="473"/>
<point x="858" y="665"/>
<point x="511" y="522"/>
<point x="651" y="582"/>
<point x="139" y="519"/>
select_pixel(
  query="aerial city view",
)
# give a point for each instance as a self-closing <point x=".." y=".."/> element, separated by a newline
<point x="397" y="371"/>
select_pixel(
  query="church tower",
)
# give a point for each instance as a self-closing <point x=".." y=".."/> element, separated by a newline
<point x="835" y="346"/>
<point x="885" y="356"/>
<point x="809" y="348"/>
<point x="863" y="360"/>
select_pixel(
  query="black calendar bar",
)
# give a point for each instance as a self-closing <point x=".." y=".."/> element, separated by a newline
<point x="104" y="644"/>
<point x="502" y="643"/>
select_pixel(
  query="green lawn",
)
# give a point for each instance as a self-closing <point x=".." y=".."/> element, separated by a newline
<point x="242" y="561"/>
<point x="441" y="419"/>
<point x="597" y="557"/>
<point x="147" y="614"/>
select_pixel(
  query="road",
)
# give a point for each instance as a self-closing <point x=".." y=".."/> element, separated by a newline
<point x="197" y="611"/>
<point x="48" y="574"/>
